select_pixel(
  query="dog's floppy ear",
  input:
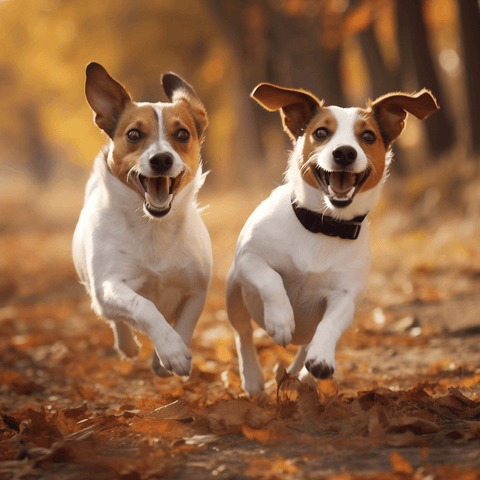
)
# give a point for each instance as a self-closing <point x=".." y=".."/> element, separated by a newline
<point x="106" y="97"/>
<point x="296" y="106"/>
<point x="178" y="89"/>
<point x="391" y="110"/>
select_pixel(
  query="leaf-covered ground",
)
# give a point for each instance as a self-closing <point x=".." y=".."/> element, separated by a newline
<point x="404" y="402"/>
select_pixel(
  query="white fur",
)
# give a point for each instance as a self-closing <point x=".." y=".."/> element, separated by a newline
<point x="344" y="135"/>
<point x="301" y="287"/>
<point x="143" y="272"/>
<point x="160" y="145"/>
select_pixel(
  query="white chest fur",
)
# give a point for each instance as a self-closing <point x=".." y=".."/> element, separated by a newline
<point x="312" y="267"/>
<point x="149" y="273"/>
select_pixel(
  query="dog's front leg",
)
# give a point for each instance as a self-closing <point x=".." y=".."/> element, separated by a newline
<point x="185" y="324"/>
<point x="320" y="359"/>
<point x="267" y="284"/>
<point x="117" y="301"/>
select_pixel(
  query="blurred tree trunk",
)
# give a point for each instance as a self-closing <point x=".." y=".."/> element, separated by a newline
<point x="296" y="57"/>
<point x="383" y="80"/>
<point x="241" y="24"/>
<point x="415" y="58"/>
<point x="469" y="13"/>
<point x="39" y="156"/>
<point x="271" y="46"/>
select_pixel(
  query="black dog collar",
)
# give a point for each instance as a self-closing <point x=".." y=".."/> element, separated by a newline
<point x="317" y="223"/>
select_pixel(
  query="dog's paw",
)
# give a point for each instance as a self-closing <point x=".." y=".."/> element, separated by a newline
<point x="281" y="334"/>
<point x="158" y="368"/>
<point x="254" y="388"/>
<point x="253" y="382"/>
<point x="174" y="355"/>
<point x="320" y="368"/>
<point x="279" y="322"/>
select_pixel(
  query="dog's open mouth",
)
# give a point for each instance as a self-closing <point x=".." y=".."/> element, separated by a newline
<point x="341" y="186"/>
<point x="157" y="192"/>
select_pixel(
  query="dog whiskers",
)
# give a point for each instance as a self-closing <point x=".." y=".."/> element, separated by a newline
<point x="308" y="163"/>
<point x="132" y="171"/>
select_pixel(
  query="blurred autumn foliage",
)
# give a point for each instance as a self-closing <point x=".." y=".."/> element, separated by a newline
<point x="343" y="51"/>
<point x="404" y="403"/>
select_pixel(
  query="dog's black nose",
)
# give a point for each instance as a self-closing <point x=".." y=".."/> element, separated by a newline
<point x="344" y="155"/>
<point x="161" y="162"/>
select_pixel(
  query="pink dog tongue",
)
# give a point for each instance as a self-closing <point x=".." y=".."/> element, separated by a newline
<point x="158" y="191"/>
<point x="342" y="182"/>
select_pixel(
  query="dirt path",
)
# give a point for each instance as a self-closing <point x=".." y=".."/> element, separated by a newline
<point x="404" y="402"/>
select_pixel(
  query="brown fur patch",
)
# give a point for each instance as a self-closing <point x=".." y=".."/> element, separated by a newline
<point x="126" y="155"/>
<point x="176" y="116"/>
<point x="375" y="152"/>
<point x="296" y="106"/>
<point x="390" y="111"/>
<point x="179" y="116"/>
<point x="324" y="118"/>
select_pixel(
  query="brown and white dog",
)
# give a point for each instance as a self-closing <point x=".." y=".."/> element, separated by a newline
<point x="303" y="257"/>
<point x="140" y="246"/>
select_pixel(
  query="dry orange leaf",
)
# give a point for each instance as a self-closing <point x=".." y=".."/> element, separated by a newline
<point x="400" y="464"/>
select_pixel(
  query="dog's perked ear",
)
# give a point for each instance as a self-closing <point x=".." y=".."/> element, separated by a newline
<point x="391" y="110"/>
<point x="106" y="96"/>
<point x="178" y="89"/>
<point x="296" y="107"/>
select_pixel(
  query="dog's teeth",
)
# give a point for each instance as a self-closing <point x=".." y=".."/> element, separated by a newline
<point x="330" y="191"/>
<point x="351" y="192"/>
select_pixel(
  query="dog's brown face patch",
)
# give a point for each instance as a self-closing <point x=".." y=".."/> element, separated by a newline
<point x="126" y="154"/>
<point x="326" y="124"/>
<point x="178" y="119"/>
<point x="375" y="151"/>
<point x="324" y="119"/>
<point x="178" y="127"/>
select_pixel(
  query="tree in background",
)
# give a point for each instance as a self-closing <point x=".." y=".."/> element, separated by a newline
<point x="301" y="43"/>
<point x="469" y="15"/>
<point x="416" y="61"/>
<point x="341" y="50"/>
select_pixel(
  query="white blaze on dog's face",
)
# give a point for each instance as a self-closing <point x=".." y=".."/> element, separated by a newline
<point x="156" y="147"/>
<point x="344" y="150"/>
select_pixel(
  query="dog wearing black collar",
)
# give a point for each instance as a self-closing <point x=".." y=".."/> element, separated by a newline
<point x="303" y="257"/>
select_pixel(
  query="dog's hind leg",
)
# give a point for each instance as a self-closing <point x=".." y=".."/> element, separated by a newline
<point x="250" y="372"/>
<point x="125" y="340"/>
<point x="297" y="368"/>
<point x="298" y="362"/>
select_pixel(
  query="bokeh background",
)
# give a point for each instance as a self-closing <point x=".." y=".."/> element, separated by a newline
<point x="418" y="325"/>
<point x="343" y="51"/>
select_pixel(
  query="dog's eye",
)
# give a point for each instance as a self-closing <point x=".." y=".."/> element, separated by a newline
<point x="321" y="133"/>
<point x="369" y="137"/>
<point x="182" y="135"/>
<point x="134" y="135"/>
